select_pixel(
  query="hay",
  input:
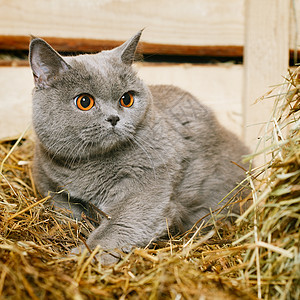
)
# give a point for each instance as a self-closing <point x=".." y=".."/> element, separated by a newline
<point x="257" y="256"/>
<point x="273" y="265"/>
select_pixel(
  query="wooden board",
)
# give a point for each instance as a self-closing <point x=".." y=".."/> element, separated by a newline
<point x="294" y="30"/>
<point x="93" y="45"/>
<point x="194" y="27"/>
<point x="218" y="86"/>
<point x="15" y="93"/>
<point x="266" y="60"/>
<point x="167" y="22"/>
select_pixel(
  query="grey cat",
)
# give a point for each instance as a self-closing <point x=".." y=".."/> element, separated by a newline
<point x="150" y="157"/>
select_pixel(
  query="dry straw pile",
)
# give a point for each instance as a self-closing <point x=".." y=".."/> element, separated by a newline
<point x="257" y="257"/>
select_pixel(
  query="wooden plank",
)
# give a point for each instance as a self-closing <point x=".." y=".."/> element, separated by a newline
<point x="189" y="23"/>
<point x="15" y="90"/>
<point x="94" y="25"/>
<point x="295" y="30"/>
<point x="213" y="85"/>
<point x="92" y="45"/>
<point x="266" y="60"/>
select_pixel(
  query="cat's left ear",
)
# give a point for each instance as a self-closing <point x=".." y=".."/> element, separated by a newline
<point x="45" y="62"/>
<point x="128" y="49"/>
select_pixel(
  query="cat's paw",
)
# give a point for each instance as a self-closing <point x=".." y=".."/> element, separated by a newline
<point x="105" y="257"/>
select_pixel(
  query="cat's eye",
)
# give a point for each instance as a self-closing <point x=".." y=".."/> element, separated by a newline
<point x="84" y="102"/>
<point x="127" y="100"/>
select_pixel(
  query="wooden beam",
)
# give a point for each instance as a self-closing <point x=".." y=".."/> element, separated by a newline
<point x="13" y="43"/>
<point x="93" y="45"/>
<point x="266" y="60"/>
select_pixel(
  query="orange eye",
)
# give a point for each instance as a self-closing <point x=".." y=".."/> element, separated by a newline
<point x="126" y="100"/>
<point x="84" y="102"/>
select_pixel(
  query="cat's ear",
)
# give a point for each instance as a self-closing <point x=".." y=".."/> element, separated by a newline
<point x="127" y="51"/>
<point x="45" y="63"/>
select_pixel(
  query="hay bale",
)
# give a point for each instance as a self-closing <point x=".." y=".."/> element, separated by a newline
<point x="257" y="256"/>
<point x="272" y="260"/>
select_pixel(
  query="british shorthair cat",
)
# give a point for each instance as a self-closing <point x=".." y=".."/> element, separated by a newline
<point x="147" y="156"/>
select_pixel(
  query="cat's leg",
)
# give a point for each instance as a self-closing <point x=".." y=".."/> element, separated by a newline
<point x="135" y="222"/>
<point x="62" y="201"/>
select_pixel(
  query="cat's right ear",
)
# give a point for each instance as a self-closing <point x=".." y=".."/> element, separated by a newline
<point x="127" y="51"/>
<point x="45" y="63"/>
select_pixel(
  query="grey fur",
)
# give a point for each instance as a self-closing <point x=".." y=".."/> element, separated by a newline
<point x="165" y="158"/>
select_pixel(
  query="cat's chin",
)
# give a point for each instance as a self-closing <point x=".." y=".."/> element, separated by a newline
<point x="102" y="140"/>
<point x="109" y="142"/>
<point x="87" y="148"/>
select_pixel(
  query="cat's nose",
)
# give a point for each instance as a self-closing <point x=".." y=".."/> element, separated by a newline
<point x="113" y="120"/>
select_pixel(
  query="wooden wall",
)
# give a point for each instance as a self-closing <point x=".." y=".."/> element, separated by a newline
<point x="211" y="84"/>
<point x="263" y="32"/>
<point x="169" y="24"/>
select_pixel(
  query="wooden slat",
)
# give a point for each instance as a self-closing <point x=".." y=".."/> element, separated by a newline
<point x="266" y="60"/>
<point x="92" y="45"/>
<point x="213" y="85"/>
<point x="295" y="29"/>
<point x="196" y="27"/>
<point x="166" y="22"/>
<point x="15" y="90"/>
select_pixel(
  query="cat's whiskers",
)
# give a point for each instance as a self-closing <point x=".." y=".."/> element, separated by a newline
<point x="57" y="146"/>
<point x="55" y="149"/>
<point x="76" y="154"/>
<point x="55" y="142"/>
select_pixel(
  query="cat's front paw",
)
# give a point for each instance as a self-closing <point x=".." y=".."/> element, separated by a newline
<point x="105" y="257"/>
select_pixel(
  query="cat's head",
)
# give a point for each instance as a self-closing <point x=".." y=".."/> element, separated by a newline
<point x="87" y="104"/>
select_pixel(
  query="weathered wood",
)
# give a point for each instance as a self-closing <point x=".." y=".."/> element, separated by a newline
<point x="15" y="90"/>
<point x="168" y="22"/>
<point x="217" y="86"/>
<point x="295" y="30"/>
<point x="14" y="63"/>
<point x="266" y="60"/>
<point x="214" y="27"/>
<point x="92" y="45"/>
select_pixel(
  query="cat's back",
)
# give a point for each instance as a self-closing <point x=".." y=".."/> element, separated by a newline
<point x="169" y="98"/>
<point x="185" y="113"/>
<point x="195" y="122"/>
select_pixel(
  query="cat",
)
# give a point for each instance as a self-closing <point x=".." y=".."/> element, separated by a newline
<point x="153" y="158"/>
